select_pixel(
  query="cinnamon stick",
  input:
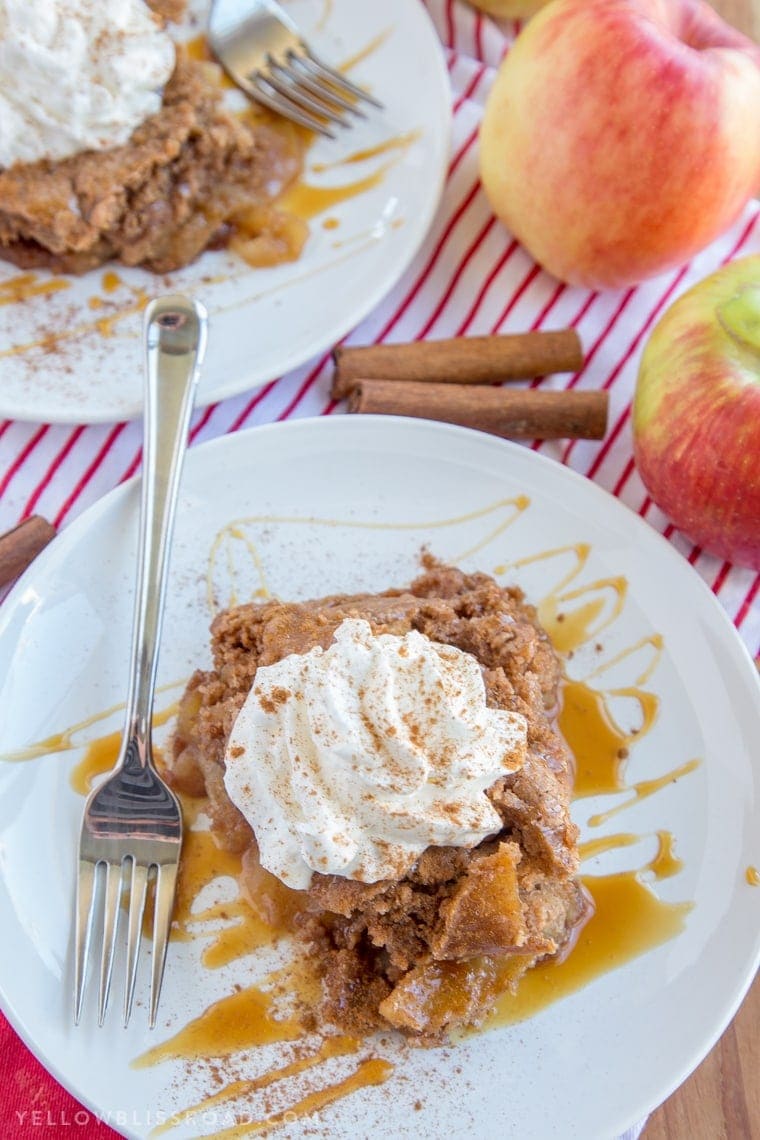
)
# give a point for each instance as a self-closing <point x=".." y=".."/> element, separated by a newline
<point x="20" y="546"/>
<point x="510" y="413"/>
<point x="461" y="360"/>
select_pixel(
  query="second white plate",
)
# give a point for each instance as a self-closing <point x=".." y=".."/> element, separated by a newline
<point x="73" y="355"/>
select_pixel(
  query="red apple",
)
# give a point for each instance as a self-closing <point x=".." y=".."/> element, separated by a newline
<point x="622" y="136"/>
<point x="696" y="413"/>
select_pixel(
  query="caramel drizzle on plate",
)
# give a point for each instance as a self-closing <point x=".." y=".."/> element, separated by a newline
<point x="23" y="286"/>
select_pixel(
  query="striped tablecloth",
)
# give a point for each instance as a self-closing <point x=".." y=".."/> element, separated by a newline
<point x="470" y="278"/>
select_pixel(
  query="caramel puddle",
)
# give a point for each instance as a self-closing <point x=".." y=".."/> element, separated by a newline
<point x="101" y="754"/>
<point x="240" y="1021"/>
<point x="629" y="920"/>
<point x="599" y="745"/>
<point x="306" y="201"/>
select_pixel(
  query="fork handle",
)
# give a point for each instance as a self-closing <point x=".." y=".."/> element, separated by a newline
<point x="175" y="341"/>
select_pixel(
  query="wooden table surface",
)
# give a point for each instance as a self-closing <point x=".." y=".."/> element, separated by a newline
<point x="721" y="1100"/>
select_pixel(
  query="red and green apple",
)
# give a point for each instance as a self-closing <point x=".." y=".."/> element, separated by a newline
<point x="696" y="413"/>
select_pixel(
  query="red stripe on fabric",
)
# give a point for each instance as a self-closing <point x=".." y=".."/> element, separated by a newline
<point x="4" y="427"/>
<point x="479" y="37"/>
<point x="259" y="396"/>
<point x="589" y="356"/>
<point x="450" y="28"/>
<point x="313" y="376"/>
<point x="44" y="483"/>
<point x="22" y="456"/>
<point x="462" y="151"/>
<point x="720" y="577"/>
<point x="605" y="447"/>
<point x="560" y="289"/>
<point x="645" y="506"/>
<point x="207" y="414"/>
<point x="583" y="310"/>
<point x="468" y="91"/>
<point x="742" y="238"/>
<point x="310" y="379"/>
<point x="88" y="473"/>
<point x="502" y="261"/>
<point x="527" y="282"/>
<point x="625" y="476"/>
<point x="694" y="555"/>
<point x="454" y="281"/>
<point x="132" y="469"/>
<point x="431" y="262"/>
<point x="746" y="604"/>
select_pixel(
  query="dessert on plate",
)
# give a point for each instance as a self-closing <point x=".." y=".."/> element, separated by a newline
<point x="388" y="766"/>
<point x="115" y="145"/>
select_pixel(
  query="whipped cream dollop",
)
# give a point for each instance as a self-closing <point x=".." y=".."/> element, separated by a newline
<point x="77" y="75"/>
<point x="352" y="760"/>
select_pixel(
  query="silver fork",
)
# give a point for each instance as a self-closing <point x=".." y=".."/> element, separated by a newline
<point x="264" y="54"/>
<point x="132" y="822"/>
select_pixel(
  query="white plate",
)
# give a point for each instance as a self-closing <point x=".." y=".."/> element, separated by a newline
<point x="265" y="321"/>
<point x="345" y="504"/>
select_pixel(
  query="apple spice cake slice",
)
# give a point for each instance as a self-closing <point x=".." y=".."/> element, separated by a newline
<point x="426" y="952"/>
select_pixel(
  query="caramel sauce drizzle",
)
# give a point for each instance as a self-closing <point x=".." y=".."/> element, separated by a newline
<point x="306" y="200"/>
<point x="599" y="745"/>
<point x="364" y="53"/>
<point x="374" y="1071"/>
<point x="104" y="325"/>
<point x="643" y="789"/>
<point x="593" y="847"/>
<point x="111" y="281"/>
<point x="338" y="1046"/>
<point x="327" y="10"/>
<point x="629" y="920"/>
<point x="101" y="754"/>
<point x="242" y="1020"/>
<point x="236" y="531"/>
<point x="25" y="285"/>
<point x="65" y="741"/>
<point x="665" y="863"/>
<point x="395" y="142"/>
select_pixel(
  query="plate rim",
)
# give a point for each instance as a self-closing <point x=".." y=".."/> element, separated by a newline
<point x="413" y="426"/>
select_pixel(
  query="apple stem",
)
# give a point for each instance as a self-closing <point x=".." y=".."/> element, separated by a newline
<point x="740" y="317"/>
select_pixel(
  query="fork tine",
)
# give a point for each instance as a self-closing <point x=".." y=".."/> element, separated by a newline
<point x="255" y="87"/>
<point x="110" y="926"/>
<point x="302" y="99"/>
<point x="84" y="912"/>
<point x="137" y="893"/>
<point x="322" y="71"/>
<point x="327" y="94"/>
<point x="166" y="882"/>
